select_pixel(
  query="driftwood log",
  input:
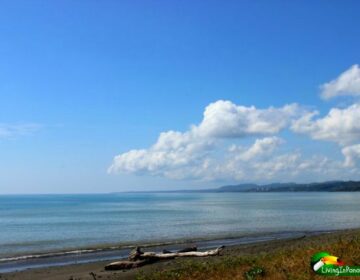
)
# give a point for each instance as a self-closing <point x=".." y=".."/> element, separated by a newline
<point x="138" y="258"/>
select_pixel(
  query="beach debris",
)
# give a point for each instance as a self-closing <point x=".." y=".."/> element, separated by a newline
<point x="139" y="258"/>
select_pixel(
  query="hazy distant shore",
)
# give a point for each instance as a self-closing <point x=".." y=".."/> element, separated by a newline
<point x="303" y="243"/>
<point x="330" y="186"/>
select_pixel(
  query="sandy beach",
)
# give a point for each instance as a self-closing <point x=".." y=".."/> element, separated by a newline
<point x="297" y="251"/>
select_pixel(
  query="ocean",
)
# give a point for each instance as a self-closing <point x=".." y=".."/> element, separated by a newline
<point x="34" y="225"/>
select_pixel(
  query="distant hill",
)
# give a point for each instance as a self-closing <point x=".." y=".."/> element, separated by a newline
<point x="332" y="186"/>
<point x="237" y="188"/>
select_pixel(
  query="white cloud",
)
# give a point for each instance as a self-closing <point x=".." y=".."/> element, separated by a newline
<point x="262" y="146"/>
<point x="201" y="153"/>
<point x="282" y="167"/>
<point x="351" y="154"/>
<point x="173" y="150"/>
<point x="12" y="130"/>
<point x="224" y="119"/>
<point x="194" y="153"/>
<point x="257" y="162"/>
<point x="209" y="161"/>
<point x="348" y="83"/>
<point x="339" y="125"/>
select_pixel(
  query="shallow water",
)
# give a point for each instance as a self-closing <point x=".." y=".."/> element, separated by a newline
<point x="43" y="223"/>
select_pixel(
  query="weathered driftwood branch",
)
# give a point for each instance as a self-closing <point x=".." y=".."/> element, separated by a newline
<point x="137" y="254"/>
<point x="138" y="258"/>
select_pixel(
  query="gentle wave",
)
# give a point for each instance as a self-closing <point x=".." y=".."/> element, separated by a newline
<point x="20" y="258"/>
<point x="85" y="251"/>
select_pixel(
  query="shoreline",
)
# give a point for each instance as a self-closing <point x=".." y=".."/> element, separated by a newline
<point x="88" y="255"/>
<point x="272" y="250"/>
<point x="121" y="251"/>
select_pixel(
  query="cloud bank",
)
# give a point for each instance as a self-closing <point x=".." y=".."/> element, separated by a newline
<point x="214" y="149"/>
<point x="199" y="153"/>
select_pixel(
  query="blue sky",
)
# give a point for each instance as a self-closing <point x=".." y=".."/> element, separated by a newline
<point x="84" y="81"/>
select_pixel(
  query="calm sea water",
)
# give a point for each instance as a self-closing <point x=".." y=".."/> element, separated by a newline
<point x="42" y="223"/>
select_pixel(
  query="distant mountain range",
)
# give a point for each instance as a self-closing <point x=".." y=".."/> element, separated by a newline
<point x="331" y="186"/>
